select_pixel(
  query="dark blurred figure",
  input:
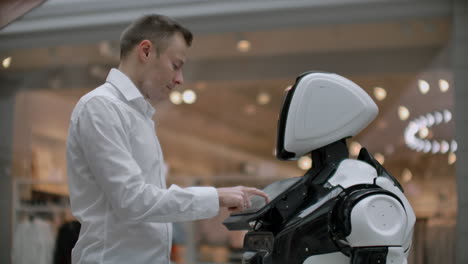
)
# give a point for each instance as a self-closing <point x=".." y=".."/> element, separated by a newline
<point x="66" y="239"/>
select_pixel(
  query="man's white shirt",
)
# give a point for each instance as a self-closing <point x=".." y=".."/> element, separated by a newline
<point x="116" y="177"/>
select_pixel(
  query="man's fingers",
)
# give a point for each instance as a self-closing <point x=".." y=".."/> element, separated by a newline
<point x="254" y="191"/>
<point x="238" y="198"/>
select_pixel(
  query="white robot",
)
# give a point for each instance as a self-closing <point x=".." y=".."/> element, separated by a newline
<point x="342" y="210"/>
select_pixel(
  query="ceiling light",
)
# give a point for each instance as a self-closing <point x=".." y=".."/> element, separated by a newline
<point x="354" y="148"/>
<point x="423" y="132"/>
<point x="427" y="146"/>
<point x="6" y="62"/>
<point x="382" y="124"/>
<point x="189" y="97"/>
<point x="444" y="85"/>
<point x="380" y="93"/>
<point x="423" y="86"/>
<point x="435" y="147"/>
<point x="98" y="71"/>
<point x="105" y="49"/>
<point x="422" y="121"/>
<point x="421" y="125"/>
<point x="250" y="109"/>
<point x="263" y="98"/>
<point x="379" y="157"/>
<point x="304" y="163"/>
<point x="201" y="86"/>
<point x="444" y="147"/>
<point x="243" y="45"/>
<point x="430" y="119"/>
<point x="452" y="158"/>
<point x="447" y="116"/>
<point x="389" y="149"/>
<point x="406" y="175"/>
<point x="175" y="97"/>
<point x="420" y="145"/>
<point x="403" y="113"/>
<point x="453" y="146"/>
<point x="438" y="118"/>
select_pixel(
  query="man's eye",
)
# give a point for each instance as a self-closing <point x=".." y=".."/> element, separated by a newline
<point x="175" y="67"/>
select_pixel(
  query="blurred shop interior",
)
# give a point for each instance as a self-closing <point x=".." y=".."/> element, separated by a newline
<point x="219" y="128"/>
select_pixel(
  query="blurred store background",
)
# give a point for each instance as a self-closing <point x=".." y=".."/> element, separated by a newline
<point x="219" y="128"/>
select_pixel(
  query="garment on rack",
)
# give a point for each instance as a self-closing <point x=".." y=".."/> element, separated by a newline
<point x="66" y="239"/>
<point x="33" y="242"/>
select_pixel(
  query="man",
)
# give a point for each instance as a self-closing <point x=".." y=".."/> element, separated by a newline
<point x="115" y="164"/>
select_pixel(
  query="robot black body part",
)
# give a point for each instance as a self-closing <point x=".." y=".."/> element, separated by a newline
<point x="342" y="210"/>
<point x="311" y="220"/>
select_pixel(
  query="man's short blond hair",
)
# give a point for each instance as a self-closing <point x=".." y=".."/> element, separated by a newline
<point x="156" y="28"/>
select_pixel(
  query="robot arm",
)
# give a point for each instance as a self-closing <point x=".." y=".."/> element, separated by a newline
<point x="374" y="223"/>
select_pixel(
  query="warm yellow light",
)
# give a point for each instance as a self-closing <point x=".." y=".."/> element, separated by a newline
<point x="452" y="158"/>
<point x="423" y="132"/>
<point x="406" y="175"/>
<point x="403" y="113"/>
<point x="423" y="86"/>
<point x="263" y="98"/>
<point x="189" y="97"/>
<point x="243" y="45"/>
<point x="250" y="109"/>
<point x="175" y="97"/>
<point x="380" y="158"/>
<point x="354" y="148"/>
<point x="105" y="48"/>
<point x="380" y="93"/>
<point x="304" y="163"/>
<point x="201" y="86"/>
<point x="444" y="85"/>
<point x="6" y="62"/>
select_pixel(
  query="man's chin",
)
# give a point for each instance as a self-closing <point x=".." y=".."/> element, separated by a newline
<point x="158" y="99"/>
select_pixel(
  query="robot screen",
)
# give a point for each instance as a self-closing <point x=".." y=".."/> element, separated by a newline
<point x="273" y="190"/>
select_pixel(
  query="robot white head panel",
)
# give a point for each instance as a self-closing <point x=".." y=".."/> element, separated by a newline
<point x="319" y="109"/>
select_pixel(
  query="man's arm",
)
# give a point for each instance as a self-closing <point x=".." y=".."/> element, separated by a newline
<point x="105" y="142"/>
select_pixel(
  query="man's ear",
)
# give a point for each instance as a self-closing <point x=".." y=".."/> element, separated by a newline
<point x="144" y="49"/>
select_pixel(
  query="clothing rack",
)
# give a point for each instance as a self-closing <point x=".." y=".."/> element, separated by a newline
<point x="20" y="207"/>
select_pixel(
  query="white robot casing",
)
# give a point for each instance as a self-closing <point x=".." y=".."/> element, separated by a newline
<point x="325" y="108"/>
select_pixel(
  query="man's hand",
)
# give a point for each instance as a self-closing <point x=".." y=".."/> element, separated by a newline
<point x="237" y="199"/>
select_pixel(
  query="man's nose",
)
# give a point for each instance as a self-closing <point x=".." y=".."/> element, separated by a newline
<point x="179" y="78"/>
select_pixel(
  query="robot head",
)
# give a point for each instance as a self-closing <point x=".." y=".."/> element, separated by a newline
<point x="319" y="109"/>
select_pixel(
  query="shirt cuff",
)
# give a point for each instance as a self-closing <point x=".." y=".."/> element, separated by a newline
<point x="206" y="201"/>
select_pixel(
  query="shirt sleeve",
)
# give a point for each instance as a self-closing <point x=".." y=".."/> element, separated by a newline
<point x="103" y="135"/>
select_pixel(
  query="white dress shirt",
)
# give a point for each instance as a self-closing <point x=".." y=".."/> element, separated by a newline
<point x="116" y="177"/>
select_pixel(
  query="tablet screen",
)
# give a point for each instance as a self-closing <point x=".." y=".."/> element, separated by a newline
<point x="273" y="190"/>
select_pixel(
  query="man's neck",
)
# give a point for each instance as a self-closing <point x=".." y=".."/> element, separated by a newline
<point x="128" y="70"/>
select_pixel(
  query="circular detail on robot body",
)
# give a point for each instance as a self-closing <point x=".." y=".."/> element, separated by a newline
<point x="382" y="214"/>
<point x="377" y="220"/>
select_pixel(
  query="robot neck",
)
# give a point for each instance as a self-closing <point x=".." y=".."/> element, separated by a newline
<point x="331" y="154"/>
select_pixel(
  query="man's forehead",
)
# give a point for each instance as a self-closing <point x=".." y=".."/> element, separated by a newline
<point x="178" y="47"/>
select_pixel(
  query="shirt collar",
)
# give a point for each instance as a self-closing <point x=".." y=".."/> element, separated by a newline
<point x="121" y="81"/>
